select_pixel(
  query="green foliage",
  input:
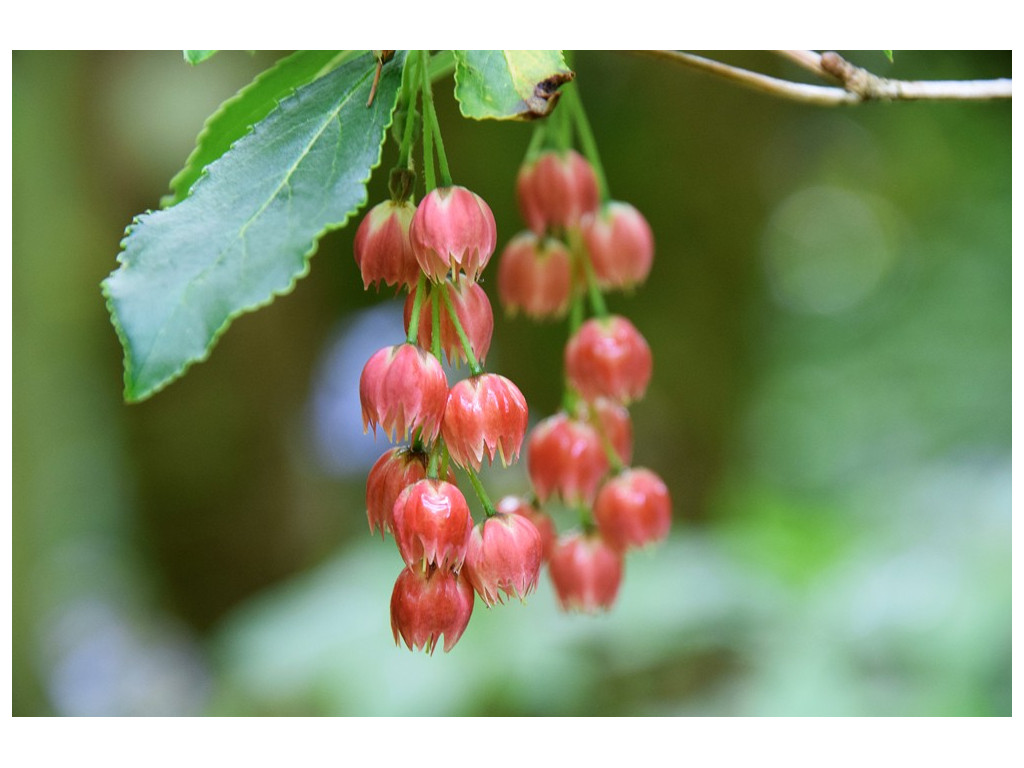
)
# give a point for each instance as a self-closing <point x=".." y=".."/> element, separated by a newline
<point x="888" y="55"/>
<point x="238" y="114"/>
<point x="509" y="85"/>
<point x="197" y="57"/>
<point x="247" y="229"/>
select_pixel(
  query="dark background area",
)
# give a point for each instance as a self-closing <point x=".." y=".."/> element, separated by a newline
<point x="830" y="316"/>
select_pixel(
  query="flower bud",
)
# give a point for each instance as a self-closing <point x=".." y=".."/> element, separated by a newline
<point x="382" y="248"/>
<point x="607" y="357"/>
<point x="504" y="554"/>
<point x="586" y="573"/>
<point x="426" y="604"/>
<point x="535" y="276"/>
<point x="556" y="189"/>
<point x="453" y="230"/>
<point x="403" y="388"/>
<point x="620" y="243"/>
<point x="633" y="509"/>
<point x="485" y="414"/>
<point x="431" y="523"/>
<point x="566" y="460"/>
<point x="473" y="309"/>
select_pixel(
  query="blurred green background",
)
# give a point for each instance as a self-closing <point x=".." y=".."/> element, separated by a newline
<point x="830" y="315"/>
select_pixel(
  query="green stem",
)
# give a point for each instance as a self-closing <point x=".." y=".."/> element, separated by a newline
<point x="435" y="320"/>
<point x="417" y="304"/>
<point x="593" y="290"/>
<point x="474" y="367"/>
<point x="586" y="136"/>
<point x="481" y="494"/>
<point x="435" y="455"/>
<point x="536" y="142"/>
<point x="409" y="93"/>
<point x="431" y="124"/>
<point x="614" y="461"/>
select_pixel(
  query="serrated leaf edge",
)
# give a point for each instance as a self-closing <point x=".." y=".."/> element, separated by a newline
<point x="170" y="199"/>
<point x="130" y="395"/>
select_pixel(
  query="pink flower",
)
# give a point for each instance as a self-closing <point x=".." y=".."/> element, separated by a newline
<point x="607" y="357"/>
<point x="403" y="388"/>
<point x="485" y="414"/>
<point x="565" y="459"/>
<point x="395" y="471"/>
<point x="473" y="309"/>
<point x="516" y="505"/>
<point x="556" y="189"/>
<point x="633" y="509"/>
<point x="504" y="555"/>
<point x="382" y="248"/>
<point x="426" y="604"/>
<point x="453" y="230"/>
<point x="432" y="523"/>
<point x="620" y="243"/>
<point x="535" y="276"/>
<point x="586" y="573"/>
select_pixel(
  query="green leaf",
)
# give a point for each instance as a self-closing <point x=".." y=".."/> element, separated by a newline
<point x="197" y="57"/>
<point x="888" y="55"/>
<point x="245" y="233"/>
<point x="509" y="85"/>
<point x="235" y="116"/>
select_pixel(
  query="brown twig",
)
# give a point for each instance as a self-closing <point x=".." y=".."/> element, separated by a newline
<point x="857" y="84"/>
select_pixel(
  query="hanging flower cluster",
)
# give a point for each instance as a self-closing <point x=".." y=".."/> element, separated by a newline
<point x="578" y="245"/>
<point x="435" y="251"/>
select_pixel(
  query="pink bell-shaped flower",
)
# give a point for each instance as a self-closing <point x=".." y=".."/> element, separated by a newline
<point x="473" y="309"/>
<point x="607" y="357"/>
<point x="504" y="555"/>
<point x="395" y="470"/>
<point x="566" y="460"/>
<point x="620" y="243"/>
<point x="382" y="248"/>
<point x="485" y="414"/>
<point x="517" y="505"/>
<point x="535" y="276"/>
<point x="426" y="604"/>
<point x="453" y="231"/>
<point x="586" y="573"/>
<point x="403" y="388"/>
<point x="633" y="509"/>
<point x="432" y="523"/>
<point x="556" y="190"/>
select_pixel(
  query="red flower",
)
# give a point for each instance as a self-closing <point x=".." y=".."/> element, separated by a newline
<point x="516" y="505"/>
<point x="504" y="555"/>
<point x="633" y="509"/>
<point x="453" y="230"/>
<point x="586" y="573"/>
<point x="473" y="309"/>
<point x="535" y="276"/>
<point x="432" y="523"/>
<point x="607" y="357"/>
<point x="565" y="458"/>
<point x="485" y="414"/>
<point x="556" y="189"/>
<point x="395" y="471"/>
<point x="426" y="604"/>
<point x="403" y="388"/>
<point x="620" y="243"/>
